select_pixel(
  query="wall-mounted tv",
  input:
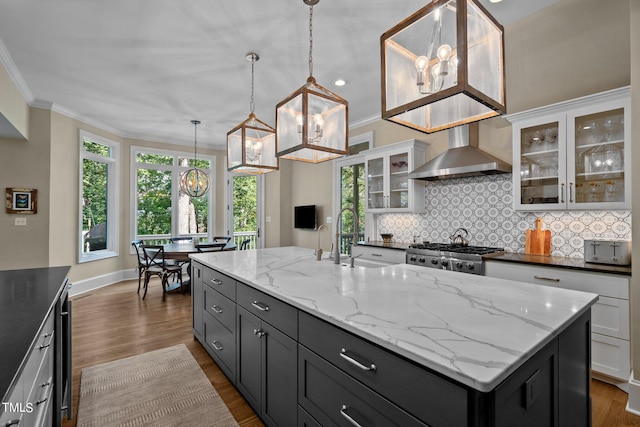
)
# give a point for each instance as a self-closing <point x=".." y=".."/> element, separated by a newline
<point x="305" y="217"/>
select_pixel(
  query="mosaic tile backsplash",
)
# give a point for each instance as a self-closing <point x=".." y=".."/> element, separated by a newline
<point x="484" y="206"/>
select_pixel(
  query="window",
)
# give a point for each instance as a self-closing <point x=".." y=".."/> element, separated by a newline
<point x="350" y="190"/>
<point x="99" y="228"/>
<point x="160" y="210"/>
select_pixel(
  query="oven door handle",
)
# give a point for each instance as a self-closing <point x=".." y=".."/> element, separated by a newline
<point x="67" y="406"/>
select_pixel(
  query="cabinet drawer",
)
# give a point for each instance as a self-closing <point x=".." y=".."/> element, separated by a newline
<point x="608" y="285"/>
<point x="41" y="393"/>
<point x="333" y="398"/>
<point x="220" y="347"/>
<point x="279" y="314"/>
<point x="610" y="316"/>
<point x="221" y="283"/>
<point x="222" y="309"/>
<point x="306" y="420"/>
<point x="391" y="256"/>
<point x="610" y="356"/>
<point x="425" y="395"/>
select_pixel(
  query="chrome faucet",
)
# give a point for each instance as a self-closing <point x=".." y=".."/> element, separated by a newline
<point x="356" y="226"/>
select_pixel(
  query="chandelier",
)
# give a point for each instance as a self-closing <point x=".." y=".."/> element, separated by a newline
<point x="311" y="123"/>
<point x="194" y="182"/>
<point x="251" y="146"/>
<point x="443" y="66"/>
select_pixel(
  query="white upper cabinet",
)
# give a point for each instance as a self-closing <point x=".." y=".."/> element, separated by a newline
<point x="574" y="154"/>
<point x="389" y="189"/>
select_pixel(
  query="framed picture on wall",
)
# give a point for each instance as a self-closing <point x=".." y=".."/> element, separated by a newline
<point x="21" y="200"/>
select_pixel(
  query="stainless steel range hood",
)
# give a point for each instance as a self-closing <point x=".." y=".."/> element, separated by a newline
<point x="463" y="158"/>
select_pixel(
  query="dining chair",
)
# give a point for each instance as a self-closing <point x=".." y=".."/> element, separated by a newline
<point x="225" y="239"/>
<point x="209" y="247"/>
<point x="244" y="245"/>
<point x="182" y="240"/>
<point x="156" y="265"/>
<point x="142" y="264"/>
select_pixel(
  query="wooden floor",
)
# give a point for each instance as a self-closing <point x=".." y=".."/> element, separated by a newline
<point x="114" y="322"/>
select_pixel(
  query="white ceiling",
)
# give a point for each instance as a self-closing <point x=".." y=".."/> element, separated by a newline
<point x="145" y="68"/>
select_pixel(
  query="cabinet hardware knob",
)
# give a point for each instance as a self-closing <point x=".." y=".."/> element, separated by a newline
<point x="216" y="345"/>
<point x="216" y="282"/>
<point x="12" y="423"/>
<point x="260" y="306"/>
<point x="46" y="395"/>
<point x="216" y="309"/>
<point x="343" y="412"/>
<point x="350" y="359"/>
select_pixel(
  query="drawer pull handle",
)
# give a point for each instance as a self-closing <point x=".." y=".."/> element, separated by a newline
<point x="216" y="282"/>
<point x="12" y="423"/>
<point x="343" y="412"/>
<point x="548" y="279"/>
<point x="216" y="309"/>
<point x="260" y="306"/>
<point x="46" y="395"/>
<point x="216" y="345"/>
<point x="259" y="332"/>
<point x="43" y="346"/>
<point x="376" y="255"/>
<point x="345" y="356"/>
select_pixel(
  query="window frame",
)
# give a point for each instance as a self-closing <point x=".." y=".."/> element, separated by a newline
<point x="113" y="199"/>
<point x="175" y="170"/>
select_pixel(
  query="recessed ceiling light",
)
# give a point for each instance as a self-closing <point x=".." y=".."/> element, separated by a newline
<point x="340" y="82"/>
<point x="495" y="1"/>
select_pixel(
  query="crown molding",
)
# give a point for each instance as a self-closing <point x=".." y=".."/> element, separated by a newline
<point x="366" y="121"/>
<point x="14" y="73"/>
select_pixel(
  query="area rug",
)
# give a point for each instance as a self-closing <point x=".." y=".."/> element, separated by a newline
<point x="165" y="387"/>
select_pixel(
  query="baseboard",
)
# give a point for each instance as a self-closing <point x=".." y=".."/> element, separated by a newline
<point x="87" y="285"/>
<point x="621" y="384"/>
<point x="633" y="403"/>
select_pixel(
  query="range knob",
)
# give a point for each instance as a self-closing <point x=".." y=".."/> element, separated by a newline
<point x="444" y="262"/>
<point x="458" y="264"/>
<point x="434" y="261"/>
<point x="421" y="259"/>
<point x="470" y="266"/>
<point x="413" y="258"/>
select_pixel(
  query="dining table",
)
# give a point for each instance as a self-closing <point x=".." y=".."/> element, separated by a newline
<point x="180" y="251"/>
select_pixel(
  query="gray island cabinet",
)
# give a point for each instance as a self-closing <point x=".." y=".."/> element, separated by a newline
<point x="311" y="343"/>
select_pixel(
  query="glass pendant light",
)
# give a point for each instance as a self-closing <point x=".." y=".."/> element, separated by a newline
<point x="311" y="123"/>
<point x="443" y="66"/>
<point x="194" y="182"/>
<point x="251" y="146"/>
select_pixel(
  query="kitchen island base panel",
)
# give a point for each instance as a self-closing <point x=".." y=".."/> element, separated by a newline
<point x="549" y="386"/>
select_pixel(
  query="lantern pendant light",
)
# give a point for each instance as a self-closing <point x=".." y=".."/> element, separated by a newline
<point x="194" y="182"/>
<point x="311" y="123"/>
<point x="443" y="66"/>
<point x="251" y="146"/>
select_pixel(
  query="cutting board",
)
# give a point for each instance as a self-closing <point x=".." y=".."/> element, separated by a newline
<point x="538" y="241"/>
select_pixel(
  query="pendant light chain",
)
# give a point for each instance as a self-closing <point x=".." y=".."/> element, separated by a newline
<point x="195" y="145"/>
<point x="311" y="41"/>
<point x="252" y="104"/>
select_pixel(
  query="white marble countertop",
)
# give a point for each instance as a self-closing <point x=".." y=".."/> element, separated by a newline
<point x="474" y="329"/>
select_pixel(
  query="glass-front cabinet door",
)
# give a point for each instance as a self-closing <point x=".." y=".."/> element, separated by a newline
<point x="389" y="188"/>
<point x="598" y="158"/>
<point x="376" y="198"/>
<point x="542" y="149"/>
<point x="574" y="155"/>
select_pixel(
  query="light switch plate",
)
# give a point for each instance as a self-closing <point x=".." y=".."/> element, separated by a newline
<point x="20" y="221"/>
<point x="329" y="220"/>
<point x="268" y="218"/>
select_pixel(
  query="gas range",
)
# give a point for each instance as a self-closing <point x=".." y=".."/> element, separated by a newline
<point x="465" y="259"/>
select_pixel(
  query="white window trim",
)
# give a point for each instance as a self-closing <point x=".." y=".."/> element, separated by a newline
<point x="113" y="200"/>
<point x="176" y="169"/>
<point x="228" y="197"/>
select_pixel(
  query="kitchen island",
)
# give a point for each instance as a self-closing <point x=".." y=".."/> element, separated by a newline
<point x="472" y="345"/>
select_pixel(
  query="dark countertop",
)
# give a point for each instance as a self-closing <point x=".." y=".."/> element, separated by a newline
<point x="26" y="298"/>
<point x="558" y="261"/>
<point x="392" y="245"/>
